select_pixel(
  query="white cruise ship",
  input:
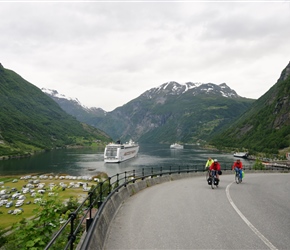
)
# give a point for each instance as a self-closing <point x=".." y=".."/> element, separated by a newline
<point x="118" y="152"/>
<point x="176" y="146"/>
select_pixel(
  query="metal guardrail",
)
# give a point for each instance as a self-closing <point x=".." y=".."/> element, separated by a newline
<point x="81" y="219"/>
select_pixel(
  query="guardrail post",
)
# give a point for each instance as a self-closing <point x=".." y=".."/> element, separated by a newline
<point x="71" y="236"/>
<point x="110" y="185"/>
<point x="125" y="178"/>
<point x="178" y="169"/>
<point x="101" y="195"/>
<point x="117" y="181"/>
<point x="152" y="172"/>
<point x="90" y="219"/>
<point x="134" y="176"/>
<point x="143" y="174"/>
<point x="169" y="170"/>
<point x="160" y="171"/>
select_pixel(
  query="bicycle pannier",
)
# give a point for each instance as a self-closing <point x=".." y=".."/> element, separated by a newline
<point x="209" y="181"/>
<point x="216" y="181"/>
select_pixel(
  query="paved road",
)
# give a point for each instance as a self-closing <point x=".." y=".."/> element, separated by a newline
<point x="188" y="214"/>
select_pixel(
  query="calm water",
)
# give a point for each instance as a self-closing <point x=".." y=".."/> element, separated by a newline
<point x="88" y="162"/>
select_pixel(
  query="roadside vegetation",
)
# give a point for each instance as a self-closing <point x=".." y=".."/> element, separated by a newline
<point x="258" y="165"/>
<point x="31" y="225"/>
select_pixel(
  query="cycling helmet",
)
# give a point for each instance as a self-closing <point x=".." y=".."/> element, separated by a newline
<point x="215" y="160"/>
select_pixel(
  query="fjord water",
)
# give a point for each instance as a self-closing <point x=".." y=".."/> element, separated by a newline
<point x="89" y="162"/>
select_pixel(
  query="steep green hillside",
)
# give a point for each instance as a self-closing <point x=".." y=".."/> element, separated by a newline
<point x="30" y="120"/>
<point x="194" y="119"/>
<point x="265" y="127"/>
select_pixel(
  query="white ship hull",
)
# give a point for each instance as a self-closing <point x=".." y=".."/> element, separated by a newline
<point x="176" y="146"/>
<point x="115" y="152"/>
<point x="241" y="154"/>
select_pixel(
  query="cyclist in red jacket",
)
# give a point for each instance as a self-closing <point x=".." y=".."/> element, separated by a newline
<point x="238" y="167"/>
<point x="215" y="166"/>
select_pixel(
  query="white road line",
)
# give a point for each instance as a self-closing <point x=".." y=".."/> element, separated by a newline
<point x="250" y="225"/>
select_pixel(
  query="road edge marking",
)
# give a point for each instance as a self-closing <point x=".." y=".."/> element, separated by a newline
<point x="250" y="225"/>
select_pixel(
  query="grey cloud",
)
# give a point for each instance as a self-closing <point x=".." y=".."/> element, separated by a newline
<point x="111" y="48"/>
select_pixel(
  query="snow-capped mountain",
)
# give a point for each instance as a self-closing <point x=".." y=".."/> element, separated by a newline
<point x="73" y="106"/>
<point x="174" y="88"/>
<point x="55" y="95"/>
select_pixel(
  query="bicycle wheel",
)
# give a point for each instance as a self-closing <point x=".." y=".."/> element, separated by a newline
<point x="237" y="178"/>
<point x="212" y="182"/>
<point x="217" y="185"/>
<point x="207" y="175"/>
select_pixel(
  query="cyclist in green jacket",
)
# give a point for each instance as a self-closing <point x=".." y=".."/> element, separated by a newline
<point x="208" y="163"/>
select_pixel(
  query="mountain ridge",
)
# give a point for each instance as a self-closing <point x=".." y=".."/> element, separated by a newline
<point x="176" y="88"/>
<point x="158" y="107"/>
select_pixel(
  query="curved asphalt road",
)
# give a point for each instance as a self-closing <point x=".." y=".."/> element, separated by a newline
<point x="188" y="214"/>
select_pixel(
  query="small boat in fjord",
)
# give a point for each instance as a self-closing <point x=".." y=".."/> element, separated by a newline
<point x="241" y="154"/>
<point x="176" y="146"/>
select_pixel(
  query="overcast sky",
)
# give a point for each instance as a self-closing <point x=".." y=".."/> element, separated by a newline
<point x="108" y="53"/>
